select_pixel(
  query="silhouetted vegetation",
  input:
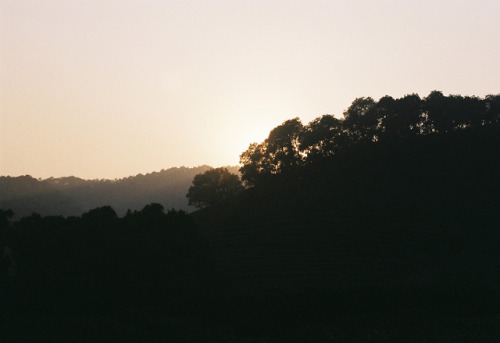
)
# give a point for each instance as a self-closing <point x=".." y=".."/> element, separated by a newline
<point x="213" y="186"/>
<point x="366" y="122"/>
<point x="382" y="226"/>
<point x="99" y="262"/>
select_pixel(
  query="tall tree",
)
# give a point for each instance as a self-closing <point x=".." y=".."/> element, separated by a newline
<point x="283" y="146"/>
<point x="322" y="137"/>
<point x="279" y="153"/>
<point x="361" y="121"/>
<point x="399" y="118"/>
<point x="255" y="164"/>
<point x="213" y="186"/>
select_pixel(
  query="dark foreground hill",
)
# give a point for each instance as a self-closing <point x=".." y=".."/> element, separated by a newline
<point x="73" y="196"/>
<point x="398" y="230"/>
<point x="417" y="214"/>
<point x="383" y="243"/>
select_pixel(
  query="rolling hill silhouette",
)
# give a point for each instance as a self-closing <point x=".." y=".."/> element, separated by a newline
<point x="71" y="196"/>
<point x="394" y="224"/>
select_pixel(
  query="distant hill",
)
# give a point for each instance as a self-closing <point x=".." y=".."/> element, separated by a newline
<point x="72" y="195"/>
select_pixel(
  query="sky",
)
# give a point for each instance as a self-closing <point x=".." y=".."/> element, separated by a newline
<point x="108" y="89"/>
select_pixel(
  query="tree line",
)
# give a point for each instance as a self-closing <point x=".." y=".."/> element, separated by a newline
<point x="99" y="258"/>
<point x="292" y="145"/>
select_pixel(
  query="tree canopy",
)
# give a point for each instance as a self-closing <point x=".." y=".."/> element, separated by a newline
<point x="213" y="186"/>
<point x="292" y="144"/>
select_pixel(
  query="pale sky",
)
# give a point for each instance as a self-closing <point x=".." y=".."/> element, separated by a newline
<point x="105" y="89"/>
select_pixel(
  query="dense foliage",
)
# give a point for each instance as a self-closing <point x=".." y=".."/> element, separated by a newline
<point x="366" y="121"/>
<point x="213" y="186"/>
<point x="100" y="259"/>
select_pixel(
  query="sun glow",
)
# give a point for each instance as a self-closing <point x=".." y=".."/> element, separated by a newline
<point x="234" y="142"/>
<point x="111" y="90"/>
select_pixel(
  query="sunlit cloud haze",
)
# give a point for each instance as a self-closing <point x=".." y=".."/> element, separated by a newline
<point x="105" y="89"/>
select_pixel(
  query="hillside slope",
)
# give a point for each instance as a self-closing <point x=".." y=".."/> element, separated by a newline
<point x="418" y="217"/>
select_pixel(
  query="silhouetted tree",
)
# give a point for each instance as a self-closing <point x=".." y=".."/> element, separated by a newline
<point x="5" y="218"/>
<point x="492" y="114"/>
<point x="213" y="186"/>
<point x="255" y="164"/>
<point x="279" y="153"/>
<point x="100" y="216"/>
<point x="322" y="137"/>
<point x="361" y="121"/>
<point x="437" y="109"/>
<point x="152" y="215"/>
<point x="399" y="118"/>
<point x="283" y="146"/>
<point x="467" y="111"/>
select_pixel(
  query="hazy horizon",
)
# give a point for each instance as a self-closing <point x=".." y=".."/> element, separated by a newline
<point x="112" y="89"/>
<point x="120" y="177"/>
